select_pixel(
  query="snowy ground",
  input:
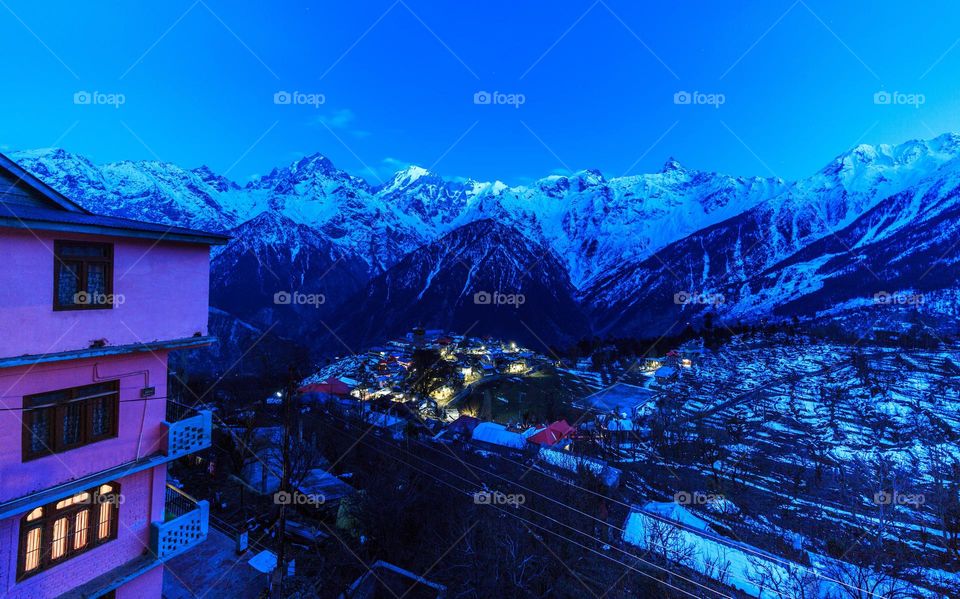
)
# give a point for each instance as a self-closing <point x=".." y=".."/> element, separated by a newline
<point x="823" y="443"/>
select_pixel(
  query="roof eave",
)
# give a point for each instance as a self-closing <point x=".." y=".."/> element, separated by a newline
<point x="198" y="237"/>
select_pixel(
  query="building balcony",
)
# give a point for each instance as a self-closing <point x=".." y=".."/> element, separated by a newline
<point x="185" y="524"/>
<point x="188" y="435"/>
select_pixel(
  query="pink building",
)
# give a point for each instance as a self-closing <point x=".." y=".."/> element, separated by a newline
<point x="90" y="308"/>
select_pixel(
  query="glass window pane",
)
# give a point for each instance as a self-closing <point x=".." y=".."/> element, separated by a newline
<point x="80" y="523"/>
<point x="106" y="515"/>
<point x="97" y="283"/>
<point x="83" y="250"/>
<point x="32" y="553"/>
<point x="68" y="283"/>
<point x="46" y="399"/>
<point x="59" y="546"/>
<point x="40" y="430"/>
<point x="102" y="416"/>
<point x="71" y="422"/>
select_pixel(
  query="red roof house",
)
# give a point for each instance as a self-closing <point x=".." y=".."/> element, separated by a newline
<point x="553" y="434"/>
<point x="331" y="386"/>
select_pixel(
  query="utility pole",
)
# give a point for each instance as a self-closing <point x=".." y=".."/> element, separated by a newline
<point x="285" y="490"/>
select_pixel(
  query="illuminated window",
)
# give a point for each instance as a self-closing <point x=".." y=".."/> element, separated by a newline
<point x="32" y="549"/>
<point x="54" y="533"/>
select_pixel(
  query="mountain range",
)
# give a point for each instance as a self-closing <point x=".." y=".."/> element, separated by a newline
<point x="870" y="237"/>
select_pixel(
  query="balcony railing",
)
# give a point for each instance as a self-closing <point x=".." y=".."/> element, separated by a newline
<point x="186" y="522"/>
<point x="188" y="435"/>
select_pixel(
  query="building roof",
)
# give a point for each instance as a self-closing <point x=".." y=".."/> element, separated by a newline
<point x="26" y="202"/>
<point x="331" y="386"/>
<point x="55" y="219"/>
<point x="320" y="482"/>
<point x="553" y="433"/>
<point x="665" y="371"/>
<point x="463" y="425"/>
<point x="621" y="397"/>
<point x="497" y="434"/>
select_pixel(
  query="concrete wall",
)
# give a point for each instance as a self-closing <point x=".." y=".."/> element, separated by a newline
<point x="139" y="432"/>
<point x="164" y="289"/>
<point x="139" y="507"/>
<point x="148" y="586"/>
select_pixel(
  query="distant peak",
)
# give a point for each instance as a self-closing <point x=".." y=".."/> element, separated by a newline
<point x="671" y="165"/>
<point x="412" y="173"/>
<point x="217" y="181"/>
<point x="313" y="162"/>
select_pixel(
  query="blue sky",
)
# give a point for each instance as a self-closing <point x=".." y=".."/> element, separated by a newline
<point x="397" y="80"/>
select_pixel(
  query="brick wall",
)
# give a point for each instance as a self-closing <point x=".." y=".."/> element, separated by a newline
<point x="139" y="507"/>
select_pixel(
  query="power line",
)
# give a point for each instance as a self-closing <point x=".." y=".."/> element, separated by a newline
<point x="471" y="493"/>
<point x="657" y="517"/>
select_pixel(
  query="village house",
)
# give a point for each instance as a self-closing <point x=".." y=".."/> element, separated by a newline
<point x="90" y="308"/>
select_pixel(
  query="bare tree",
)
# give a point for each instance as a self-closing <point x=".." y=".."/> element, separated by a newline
<point x="787" y="580"/>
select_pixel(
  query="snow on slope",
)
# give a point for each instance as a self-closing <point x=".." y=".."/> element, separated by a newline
<point x="626" y="243"/>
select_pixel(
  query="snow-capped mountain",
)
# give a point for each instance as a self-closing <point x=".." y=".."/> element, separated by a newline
<point x="623" y="246"/>
<point x="594" y="223"/>
<point x="271" y="262"/>
<point x="147" y="190"/>
<point x="481" y="278"/>
<point x="777" y="253"/>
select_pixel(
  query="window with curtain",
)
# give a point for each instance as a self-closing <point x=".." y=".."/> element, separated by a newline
<point x="58" y="421"/>
<point x="54" y="533"/>
<point x="83" y="275"/>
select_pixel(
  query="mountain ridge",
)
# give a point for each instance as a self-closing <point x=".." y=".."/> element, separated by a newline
<point x="621" y="248"/>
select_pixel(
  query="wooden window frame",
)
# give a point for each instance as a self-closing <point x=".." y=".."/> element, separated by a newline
<point x="55" y="409"/>
<point x="51" y="514"/>
<point x="106" y="260"/>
